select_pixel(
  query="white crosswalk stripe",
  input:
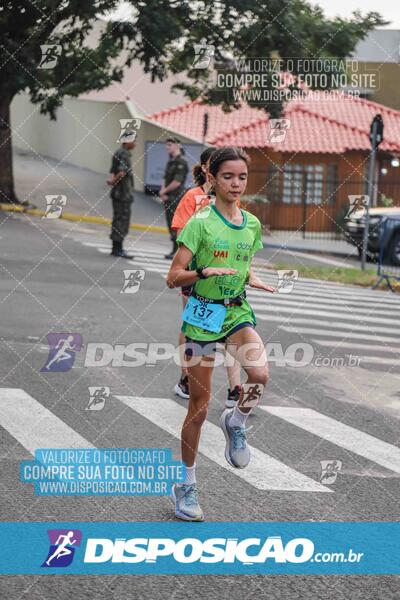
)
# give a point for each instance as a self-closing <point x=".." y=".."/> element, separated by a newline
<point x="270" y="275"/>
<point x="261" y="308"/>
<point x="335" y="315"/>
<point x="289" y="323"/>
<point x="290" y="320"/>
<point x="145" y="256"/>
<point x="263" y="472"/>
<point x="331" y="290"/>
<point x="148" y="264"/>
<point x="142" y="257"/>
<point x="143" y="249"/>
<point x="380" y="360"/>
<point x="344" y="344"/>
<point x="338" y="318"/>
<point x="35" y="426"/>
<point x="347" y="437"/>
<point x="343" y="335"/>
<point x="278" y="302"/>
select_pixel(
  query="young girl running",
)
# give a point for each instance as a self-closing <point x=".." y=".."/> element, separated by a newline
<point x="195" y="199"/>
<point x="222" y="240"/>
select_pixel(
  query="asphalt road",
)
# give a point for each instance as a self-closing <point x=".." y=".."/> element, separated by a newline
<point x="334" y="398"/>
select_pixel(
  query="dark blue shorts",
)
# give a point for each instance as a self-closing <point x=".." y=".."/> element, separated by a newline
<point x="203" y="347"/>
<point x="187" y="290"/>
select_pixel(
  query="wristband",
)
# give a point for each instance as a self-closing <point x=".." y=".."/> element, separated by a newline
<point x="200" y="273"/>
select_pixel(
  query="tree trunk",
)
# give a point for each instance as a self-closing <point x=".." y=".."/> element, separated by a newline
<point x="7" y="193"/>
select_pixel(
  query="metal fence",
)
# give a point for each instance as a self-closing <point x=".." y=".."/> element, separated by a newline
<point x="389" y="253"/>
<point x="310" y="204"/>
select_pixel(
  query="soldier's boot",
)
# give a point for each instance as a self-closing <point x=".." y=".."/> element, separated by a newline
<point x="124" y="254"/>
<point x="116" y="248"/>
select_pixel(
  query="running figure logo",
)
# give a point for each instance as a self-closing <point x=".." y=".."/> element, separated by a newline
<point x="203" y="55"/>
<point x="286" y="281"/>
<point x="128" y="126"/>
<point x="50" y="54"/>
<point x="329" y="471"/>
<point x="252" y="393"/>
<point x="54" y="207"/>
<point x="278" y="129"/>
<point x="358" y="203"/>
<point x="61" y="551"/>
<point x="132" y="282"/>
<point x="62" y="351"/>
<point x="98" y="397"/>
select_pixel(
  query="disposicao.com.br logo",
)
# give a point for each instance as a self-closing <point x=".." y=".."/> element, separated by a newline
<point x="212" y="550"/>
<point x="209" y="548"/>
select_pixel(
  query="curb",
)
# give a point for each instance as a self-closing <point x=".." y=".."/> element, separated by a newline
<point x="36" y="212"/>
<point x="310" y="250"/>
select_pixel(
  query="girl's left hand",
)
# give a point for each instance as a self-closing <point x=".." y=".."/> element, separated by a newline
<point x="255" y="282"/>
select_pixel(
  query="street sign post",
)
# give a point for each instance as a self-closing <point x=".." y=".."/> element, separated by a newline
<point x="376" y="137"/>
<point x="205" y="127"/>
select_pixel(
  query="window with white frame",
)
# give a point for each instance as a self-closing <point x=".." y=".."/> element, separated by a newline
<point x="296" y="183"/>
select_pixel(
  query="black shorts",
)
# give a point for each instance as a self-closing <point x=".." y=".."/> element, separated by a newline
<point x="187" y="290"/>
<point x="205" y="347"/>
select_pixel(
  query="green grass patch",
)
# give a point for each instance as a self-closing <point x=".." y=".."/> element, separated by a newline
<point x="351" y="276"/>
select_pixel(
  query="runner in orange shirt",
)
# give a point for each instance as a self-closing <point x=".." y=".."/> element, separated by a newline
<point x="195" y="199"/>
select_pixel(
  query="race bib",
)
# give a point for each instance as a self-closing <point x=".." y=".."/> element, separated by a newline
<point x="205" y="315"/>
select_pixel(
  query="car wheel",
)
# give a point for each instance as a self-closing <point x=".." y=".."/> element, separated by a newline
<point x="395" y="250"/>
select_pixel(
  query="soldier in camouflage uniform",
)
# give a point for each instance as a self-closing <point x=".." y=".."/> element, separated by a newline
<point x="121" y="182"/>
<point x="174" y="186"/>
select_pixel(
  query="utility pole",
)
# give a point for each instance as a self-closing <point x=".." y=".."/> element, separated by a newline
<point x="376" y="137"/>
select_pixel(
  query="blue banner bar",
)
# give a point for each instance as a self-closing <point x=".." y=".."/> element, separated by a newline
<point x="239" y="548"/>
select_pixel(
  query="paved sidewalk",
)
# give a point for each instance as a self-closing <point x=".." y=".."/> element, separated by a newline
<point x="87" y="192"/>
<point x="294" y="241"/>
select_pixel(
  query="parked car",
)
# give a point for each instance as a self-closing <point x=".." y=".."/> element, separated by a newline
<point x="354" y="232"/>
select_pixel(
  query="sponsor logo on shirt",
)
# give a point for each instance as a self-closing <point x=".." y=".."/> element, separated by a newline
<point x="215" y="244"/>
<point x="221" y="253"/>
<point x="221" y="244"/>
<point x="243" y="246"/>
<point x="231" y="280"/>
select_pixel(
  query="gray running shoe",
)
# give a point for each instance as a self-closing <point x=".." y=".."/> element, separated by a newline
<point x="182" y="388"/>
<point x="237" y="452"/>
<point x="186" y="501"/>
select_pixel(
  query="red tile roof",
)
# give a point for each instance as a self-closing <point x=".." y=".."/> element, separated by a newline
<point x="328" y="126"/>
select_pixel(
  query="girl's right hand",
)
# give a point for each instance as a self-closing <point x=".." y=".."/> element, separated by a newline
<point x="213" y="271"/>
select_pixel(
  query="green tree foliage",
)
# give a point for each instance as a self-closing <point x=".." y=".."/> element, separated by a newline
<point x="160" y="34"/>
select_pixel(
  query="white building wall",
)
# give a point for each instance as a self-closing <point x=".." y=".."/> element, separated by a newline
<point x="85" y="133"/>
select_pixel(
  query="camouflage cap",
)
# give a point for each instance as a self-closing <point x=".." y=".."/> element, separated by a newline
<point x="174" y="140"/>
